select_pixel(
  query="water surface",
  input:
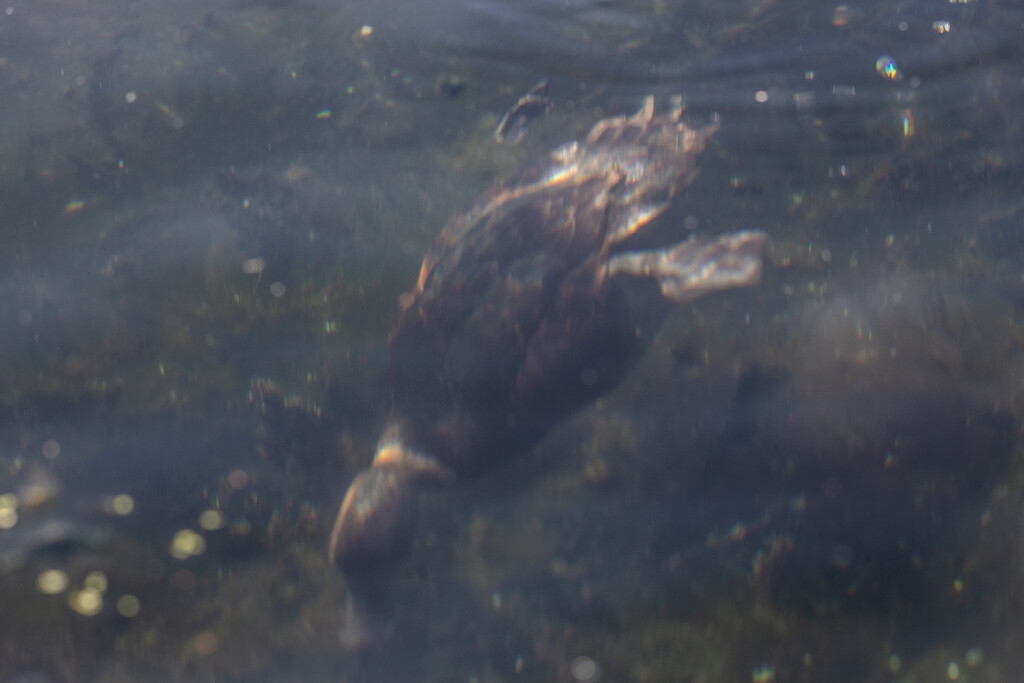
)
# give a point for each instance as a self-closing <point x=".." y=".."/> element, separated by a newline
<point x="815" y="479"/>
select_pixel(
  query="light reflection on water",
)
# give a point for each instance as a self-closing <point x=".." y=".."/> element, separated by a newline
<point x="830" y="454"/>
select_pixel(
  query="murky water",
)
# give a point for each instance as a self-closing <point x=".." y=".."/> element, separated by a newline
<point x="815" y="479"/>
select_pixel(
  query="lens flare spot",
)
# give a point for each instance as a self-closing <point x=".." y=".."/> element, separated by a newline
<point x="211" y="520"/>
<point x="122" y="504"/>
<point x="52" y="581"/>
<point x="187" y="543"/>
<point x="88" y="602"/>
<point x="128" y="605"/>
<point x="886" y="66"/>
<point x="97" y="581"/>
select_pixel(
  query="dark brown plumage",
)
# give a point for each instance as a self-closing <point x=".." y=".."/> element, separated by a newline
<point x="527" y="307"/>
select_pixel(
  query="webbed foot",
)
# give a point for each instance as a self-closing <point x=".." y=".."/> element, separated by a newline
<point x="689" y="270"/>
